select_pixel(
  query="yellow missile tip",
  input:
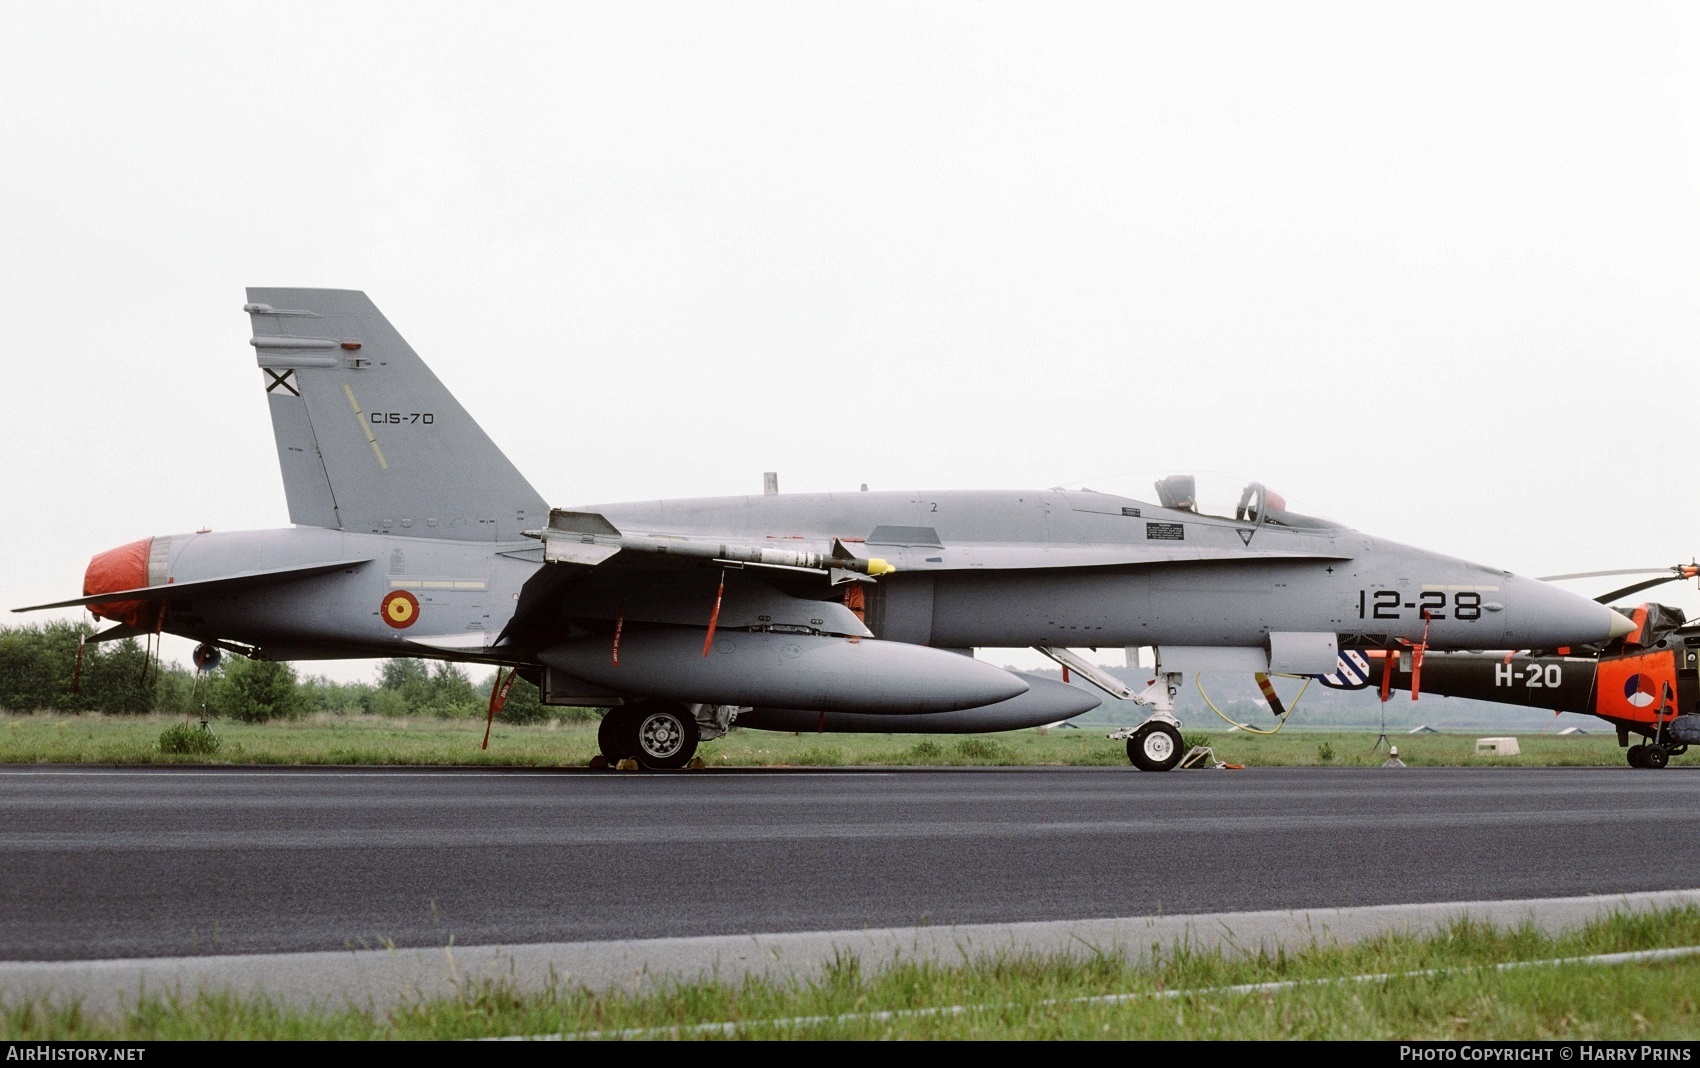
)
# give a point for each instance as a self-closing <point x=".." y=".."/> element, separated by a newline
<point x="876" y="566"/>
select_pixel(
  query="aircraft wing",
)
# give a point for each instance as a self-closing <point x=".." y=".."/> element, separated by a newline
<point x="240" y="581"/>
<point x="1014" y="557"/>
<point x="630" y="572"/>
<point x="587" y="539"/>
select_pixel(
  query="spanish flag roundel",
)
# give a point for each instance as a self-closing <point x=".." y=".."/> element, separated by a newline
<point x="400" y="609"/>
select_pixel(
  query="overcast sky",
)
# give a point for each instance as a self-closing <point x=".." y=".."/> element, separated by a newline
<point x="1432" y="270"/>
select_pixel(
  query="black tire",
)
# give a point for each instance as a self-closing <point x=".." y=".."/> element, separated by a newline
<point x="1155" y="747"/>
<point x="614" y="737"/>
<point x="1656" y="757"/>
<point x="664" y="736"/>
<point x="1637" y="756"/>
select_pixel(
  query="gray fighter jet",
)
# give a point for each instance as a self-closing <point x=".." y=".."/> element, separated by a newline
<point x="414" y="535"/>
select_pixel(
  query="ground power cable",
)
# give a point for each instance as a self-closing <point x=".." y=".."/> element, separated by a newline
<point x="1198" y="681"/>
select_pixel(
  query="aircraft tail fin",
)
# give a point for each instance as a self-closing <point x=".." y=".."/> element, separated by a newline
<point x="368" y="438"/>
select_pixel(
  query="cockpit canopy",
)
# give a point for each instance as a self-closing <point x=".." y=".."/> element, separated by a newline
<point x="1251" y="502"/>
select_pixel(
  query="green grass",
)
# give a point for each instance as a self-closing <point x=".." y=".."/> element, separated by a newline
<point x="421" y="740"/>
<point x="1176" y="994"/>
<point x="190" y="738"/>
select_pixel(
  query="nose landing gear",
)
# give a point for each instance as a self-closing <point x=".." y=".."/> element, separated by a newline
<point x="1155" y="746"/>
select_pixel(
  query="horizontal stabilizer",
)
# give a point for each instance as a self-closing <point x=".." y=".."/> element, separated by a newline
<point x="241" y="581"/>
<point x="114" y="633"/>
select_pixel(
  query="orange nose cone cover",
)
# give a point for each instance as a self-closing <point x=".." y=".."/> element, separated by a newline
<point x="123" y="568"/>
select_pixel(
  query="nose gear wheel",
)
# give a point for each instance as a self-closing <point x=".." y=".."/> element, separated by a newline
<point x="1155" y="747"/>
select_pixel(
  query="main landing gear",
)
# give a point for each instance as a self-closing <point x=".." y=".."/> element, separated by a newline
<point x="659" y="735"/>
<point x="1653" y="755"/>
<point x="1667" y="739"/>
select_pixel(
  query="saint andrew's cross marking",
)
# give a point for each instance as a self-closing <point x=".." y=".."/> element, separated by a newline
<point x="283" y="380"/>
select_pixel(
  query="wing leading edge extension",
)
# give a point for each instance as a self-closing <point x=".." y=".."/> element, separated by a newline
<point x="589" y="539"/>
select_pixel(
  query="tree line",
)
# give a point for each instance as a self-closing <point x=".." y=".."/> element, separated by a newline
<point x="40" y="671"/>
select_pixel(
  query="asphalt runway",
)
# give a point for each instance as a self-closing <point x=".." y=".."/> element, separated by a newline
<point x="155" y="862"/>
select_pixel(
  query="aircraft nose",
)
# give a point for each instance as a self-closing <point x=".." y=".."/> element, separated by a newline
<point x="1543" y="616"/>
<point x="1621" y="625"/>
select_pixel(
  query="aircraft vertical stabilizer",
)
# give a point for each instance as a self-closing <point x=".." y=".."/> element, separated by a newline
<point x="368" y="439"/>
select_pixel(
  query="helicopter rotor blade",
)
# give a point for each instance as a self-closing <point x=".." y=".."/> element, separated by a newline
<point x="1608" y="598"/>
<point x="1619" y="571"/>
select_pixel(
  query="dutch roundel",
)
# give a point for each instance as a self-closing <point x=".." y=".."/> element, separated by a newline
<point x="1638" y="690"/>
